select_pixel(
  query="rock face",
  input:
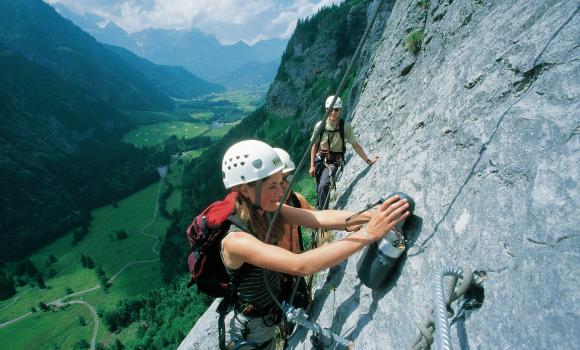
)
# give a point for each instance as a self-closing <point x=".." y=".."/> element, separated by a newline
<point x="481" y="128"/>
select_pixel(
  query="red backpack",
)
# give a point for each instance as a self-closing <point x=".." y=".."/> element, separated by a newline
<point x="205" y="235"/>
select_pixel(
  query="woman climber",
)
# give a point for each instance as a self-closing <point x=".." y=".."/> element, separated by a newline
<point x="254" y="170"/>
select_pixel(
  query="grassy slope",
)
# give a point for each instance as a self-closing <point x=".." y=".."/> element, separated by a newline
<point x="133" y="213"/>
<point x="62" y="329"/>
<point x="182" y="122"/>
<point x="49" y="330"/>
<point x="218" y="133"/>
<point x="154" y="134"/>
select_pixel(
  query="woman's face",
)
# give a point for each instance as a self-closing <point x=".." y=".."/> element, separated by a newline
<point x="286" y="179"/>
<point x="270" y="194"/>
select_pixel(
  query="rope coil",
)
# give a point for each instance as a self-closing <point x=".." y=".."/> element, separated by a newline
<point x="438" y="313"/>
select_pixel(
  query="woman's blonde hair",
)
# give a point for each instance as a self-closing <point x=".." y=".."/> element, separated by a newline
<point x="255" y="218"/>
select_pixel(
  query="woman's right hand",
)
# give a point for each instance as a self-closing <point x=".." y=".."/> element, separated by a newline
<point x="390" y="213"/>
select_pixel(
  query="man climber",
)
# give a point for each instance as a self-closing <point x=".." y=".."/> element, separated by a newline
<point x="327" y="153"/>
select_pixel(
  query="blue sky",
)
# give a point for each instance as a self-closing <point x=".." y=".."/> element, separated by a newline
<point x="229" y="20"/>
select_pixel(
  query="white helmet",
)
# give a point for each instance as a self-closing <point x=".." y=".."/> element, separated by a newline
<point x="285" y="157"/>
<point x="337" y="103"/>
<point x="249" y="161"/>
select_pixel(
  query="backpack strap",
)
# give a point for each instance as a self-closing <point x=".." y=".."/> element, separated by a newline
<point x="320" y="131"/>
<point x="341" y="133"/>
<point x="295" y="202"/>
<point x="236" y="220"/>
<point x="240" y="273"/>
<point x="237" y="275"/>
<point x="222" y="310"/>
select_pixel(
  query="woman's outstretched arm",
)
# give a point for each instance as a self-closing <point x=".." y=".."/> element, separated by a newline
<point x="240" y="247"/>
<point x="328" y="219"/>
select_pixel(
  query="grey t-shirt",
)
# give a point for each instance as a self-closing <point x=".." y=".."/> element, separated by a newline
<point x="332" y="139"/>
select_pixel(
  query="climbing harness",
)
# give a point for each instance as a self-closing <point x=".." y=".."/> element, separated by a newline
<point x="437" y="319"/>
<point x="253" y="344"/>
<point x="299" y="316"/>
<point x="325" y="152"/>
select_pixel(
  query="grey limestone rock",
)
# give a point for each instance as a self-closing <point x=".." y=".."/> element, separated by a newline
<point x="483" y="133"/>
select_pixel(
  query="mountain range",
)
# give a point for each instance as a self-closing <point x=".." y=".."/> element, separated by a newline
<point x="198" y="52"/>
<point x="65" y="99"/>
<point x="38" y="32"/>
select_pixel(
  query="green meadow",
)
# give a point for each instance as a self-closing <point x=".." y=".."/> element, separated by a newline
<point x="247" y="100"/>
<point x="150" y="135"/>
<point x="132" y="263"/>
<point x="138" y="254"/>
<point x="220" y="131"/>
<point x="209" y="115"/>
<point x="50" y="330"/>
<point x="174" y="199"/>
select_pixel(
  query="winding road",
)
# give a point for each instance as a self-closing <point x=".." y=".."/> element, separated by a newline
<point x="60" y="302"/>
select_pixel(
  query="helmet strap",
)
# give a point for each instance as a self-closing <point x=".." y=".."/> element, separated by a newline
<point x="258" y="193"/>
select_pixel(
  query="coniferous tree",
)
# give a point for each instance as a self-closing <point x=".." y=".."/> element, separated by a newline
<point x="121" y="235"/>
<point x="118" y="345"/>
<point x="82" y="345"/>
<point x="51" y="259"/>
<point x="26" y="267"/>
<point x="90" y="262"/>
<point x="7" y="288"/>
<point x="40" y="281"/>
<point x="42" y="306"/>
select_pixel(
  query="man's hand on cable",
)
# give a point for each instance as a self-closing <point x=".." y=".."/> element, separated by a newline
<point x="312" y="171"/>
<point x="390" y="213"/>
<point x="372" y="161"/>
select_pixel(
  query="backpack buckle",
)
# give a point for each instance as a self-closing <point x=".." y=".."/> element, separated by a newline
<point x="248" y="308"/>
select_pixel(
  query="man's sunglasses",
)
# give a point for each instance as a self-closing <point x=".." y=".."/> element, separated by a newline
<point x="288" y="178"/>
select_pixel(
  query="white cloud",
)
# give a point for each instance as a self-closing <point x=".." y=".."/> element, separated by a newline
<point x="300" y="9"/>
<point x="289" y="30"/>
<point x="258" y="37"/>
<point x="244" y="19"/>
<point x="135" y="15"/>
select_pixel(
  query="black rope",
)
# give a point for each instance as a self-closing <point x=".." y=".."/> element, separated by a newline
<point x="303" y="159"/>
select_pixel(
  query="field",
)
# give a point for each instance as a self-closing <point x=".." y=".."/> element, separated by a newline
<point x="154" y="134"/>
<point x="213" y="115"/>
<point x="131" y="263"/>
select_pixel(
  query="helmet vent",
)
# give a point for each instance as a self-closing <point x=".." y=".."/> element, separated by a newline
<point x="257" y="163"/>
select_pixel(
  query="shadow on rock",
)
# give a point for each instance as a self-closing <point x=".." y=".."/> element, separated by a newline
<point x="341" y="201"/>
<point x="412" y="230"/>
<point x="333" y="280"/>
